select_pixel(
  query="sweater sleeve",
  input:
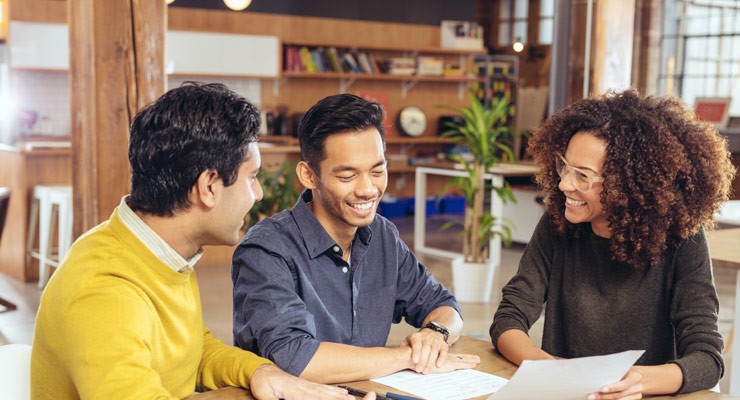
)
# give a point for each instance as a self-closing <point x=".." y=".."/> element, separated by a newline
<point x="223" y="365"/>
<point x="524" y="295"/>
<point x="694" y="312"/>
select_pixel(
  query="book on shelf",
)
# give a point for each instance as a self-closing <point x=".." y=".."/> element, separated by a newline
<point x="453" y="70"/>
<point x="364" y="62"/>
<point x="316" y="59"/>
<point x="400" y="66"/>
<point x="429" y="66"/>
<point x="333" y="55"/>
<point x="350" y="63"/>
<point x="307" y="64"/>
<point x="373" y="64"/>
<point x="292" y="59"/>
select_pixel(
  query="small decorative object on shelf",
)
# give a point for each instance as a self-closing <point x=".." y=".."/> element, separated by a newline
<point x="461" y="35"/>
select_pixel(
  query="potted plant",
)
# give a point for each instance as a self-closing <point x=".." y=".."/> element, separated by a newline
<point x="483" y="132"/>
<point x="280" y="193"/>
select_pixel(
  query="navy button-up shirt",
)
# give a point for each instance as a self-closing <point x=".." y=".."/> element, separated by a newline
<point x="292" y="290"/>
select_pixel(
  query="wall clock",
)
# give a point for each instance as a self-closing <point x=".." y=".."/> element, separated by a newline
<point x="412" y="121"/>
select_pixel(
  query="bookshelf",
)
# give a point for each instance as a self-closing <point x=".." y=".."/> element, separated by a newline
<point x="348" y="63"/>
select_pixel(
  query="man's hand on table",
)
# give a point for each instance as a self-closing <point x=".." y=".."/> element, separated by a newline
<point x="429" y="354"/>
<point x="271" y="383"/>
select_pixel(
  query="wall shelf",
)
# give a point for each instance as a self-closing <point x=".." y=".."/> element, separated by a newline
<point x="416" y="49"/>
<point x="348" y="63"/>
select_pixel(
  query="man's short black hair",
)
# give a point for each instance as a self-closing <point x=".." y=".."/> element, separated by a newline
<point x="188" y="130"/>
<point x="339" y="113"/>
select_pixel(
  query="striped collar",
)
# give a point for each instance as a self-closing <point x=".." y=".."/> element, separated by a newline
<point x="154" y="242"/>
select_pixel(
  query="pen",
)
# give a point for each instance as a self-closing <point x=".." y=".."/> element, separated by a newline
<point x="396" y="396"/>
<point x="361" y="393"/>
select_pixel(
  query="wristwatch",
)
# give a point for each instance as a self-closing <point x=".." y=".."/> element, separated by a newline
<point x="438" y="328"/>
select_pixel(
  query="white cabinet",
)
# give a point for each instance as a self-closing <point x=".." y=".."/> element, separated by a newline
<point x="46" y="46"/>
<point x="38" y="45"/>
<point x="199" y="53"/>
<point x="524" y="214"/>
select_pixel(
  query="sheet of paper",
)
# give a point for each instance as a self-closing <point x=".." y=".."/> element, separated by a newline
<point x="566" y="379"/>
<point x="455" y="385"/>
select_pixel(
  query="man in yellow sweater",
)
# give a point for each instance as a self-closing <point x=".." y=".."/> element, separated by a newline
<point x="121" y="318"/>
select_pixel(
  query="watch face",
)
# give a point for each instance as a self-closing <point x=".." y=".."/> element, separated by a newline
<point x="412" y="121"/>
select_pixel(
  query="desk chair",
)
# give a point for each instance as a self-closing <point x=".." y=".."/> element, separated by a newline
<point x="5" y="305"/>
<point x="15" y="364"/>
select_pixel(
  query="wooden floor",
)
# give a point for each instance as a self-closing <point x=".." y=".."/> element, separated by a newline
<point x="215" y="285"/>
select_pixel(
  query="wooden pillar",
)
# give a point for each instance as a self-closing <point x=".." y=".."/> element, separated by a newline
<point x="116" y="67"/>
<point x="647" y="46"/>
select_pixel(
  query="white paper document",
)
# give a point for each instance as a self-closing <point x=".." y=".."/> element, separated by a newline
<point x="455" y="385"/>
<point x="572" y="379"/>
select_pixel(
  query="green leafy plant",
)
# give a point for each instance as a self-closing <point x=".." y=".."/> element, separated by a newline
<point x="487" y="137"/>
<point x="280" y="193"/>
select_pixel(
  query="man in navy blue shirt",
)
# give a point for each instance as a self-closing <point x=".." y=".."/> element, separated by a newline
<point x="316" y="288"/>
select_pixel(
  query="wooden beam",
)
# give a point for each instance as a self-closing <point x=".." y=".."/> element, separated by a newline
<point x="116" y="67"/>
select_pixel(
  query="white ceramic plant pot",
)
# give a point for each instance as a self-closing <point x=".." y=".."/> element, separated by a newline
<point x="471" y="282"/>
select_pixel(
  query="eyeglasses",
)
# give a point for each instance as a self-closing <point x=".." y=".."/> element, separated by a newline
<point x="581" y="180"/>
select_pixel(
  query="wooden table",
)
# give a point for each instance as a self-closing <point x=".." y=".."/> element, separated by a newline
<point x="724" y="248"/>
<point x="491" y="362"/>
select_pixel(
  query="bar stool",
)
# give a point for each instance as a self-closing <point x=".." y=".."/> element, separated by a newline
<point x="50" y="204"/>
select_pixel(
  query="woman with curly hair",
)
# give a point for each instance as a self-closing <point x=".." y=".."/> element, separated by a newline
<point x="620" y="256"/>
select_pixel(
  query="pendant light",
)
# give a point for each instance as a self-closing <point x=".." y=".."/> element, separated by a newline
<point x="237" y="5"/>
<point x="518" y="46"/>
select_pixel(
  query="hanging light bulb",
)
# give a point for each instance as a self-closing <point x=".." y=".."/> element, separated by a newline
<point x="169" y="1"/>
<point x="518" y="46"/>
<point x="237" y="5"/>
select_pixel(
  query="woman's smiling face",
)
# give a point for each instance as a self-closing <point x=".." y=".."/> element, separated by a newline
<point x="587" y="153"/>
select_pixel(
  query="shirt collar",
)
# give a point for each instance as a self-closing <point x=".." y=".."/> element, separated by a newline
<point x="315" y="237"/>
<point x="154" y="242"/>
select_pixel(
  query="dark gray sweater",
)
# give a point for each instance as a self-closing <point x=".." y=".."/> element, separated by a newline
<point x="596" y="306"/>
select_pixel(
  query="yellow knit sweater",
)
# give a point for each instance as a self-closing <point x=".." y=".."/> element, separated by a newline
<point x="117" y="323"/>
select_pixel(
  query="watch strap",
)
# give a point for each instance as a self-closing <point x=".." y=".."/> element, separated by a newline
<point x="437" y="328"/>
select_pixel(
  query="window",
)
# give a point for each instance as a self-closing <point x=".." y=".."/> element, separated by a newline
<point x="515" y="16"/>
<point x="702" y="50"/>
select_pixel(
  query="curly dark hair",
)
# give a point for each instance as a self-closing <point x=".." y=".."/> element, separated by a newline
<point x="665" y="175"/>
